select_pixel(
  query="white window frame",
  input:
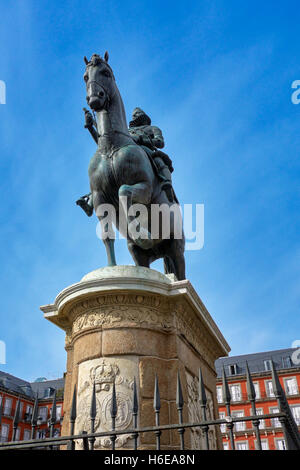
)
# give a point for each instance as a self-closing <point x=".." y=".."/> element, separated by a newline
<point x="18" y="433"/>
<point x="257" y="390"/>
<point x="244" y="443"/>
<point x="286" y="362"/>
<point x="5" y="407"/>
<point x="264" y="443"/>
<point x="234" y="369"/>
<point x="219" y="394"/>
<point x="241" y="425"/>
<point x="269" y="393"/>
<point x="43" y="416"/>
<point x="223" y="427"/>
<point x="233" y="395"/>
<point x="58" y="412"/>
<point x="226" y="446"/>
<point x="4" y="435"/>
<point x="277" y="443"/>
<point x="267" y="364"/>
<point x="26" y="435"/>
<point x="259" y="412"/>
<point x="294" y="390"/>
<point x="296" y="418"/>
<point x="275" y="423"/>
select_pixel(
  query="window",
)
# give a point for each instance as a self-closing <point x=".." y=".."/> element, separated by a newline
<point x="28" y="413"/>
<point x="291" y="386"/>
<point x="232" y="369"/>
<point x="58" y="412"/>
<point x="260" y="412"/>
<point x="18" y="432"/>
<point x="43" y="413"/>
<point x="264" y="445"/>
<point x="241" y="425"/>
<point x="269" y="388"/>
<point x="20" y="409"/>
<point x="219" y="394"/>
<point x="226" y="445"/>
<point x="286" y="362"/>
<point x="235" y="392"/>
<point x="4" y="432"/>
<point x="41" y="434"/>
<point x="296" y="413"/>
<point x="27" y="435"/>
<point x="257" y="389"/>
<point x="275" y="421"/>
<point x="267" y="365"/>
<point x="241" y="446"/>
<point x="7" y="406"/>
<point x="280" y="444"/>
<point x="222" y="426"/>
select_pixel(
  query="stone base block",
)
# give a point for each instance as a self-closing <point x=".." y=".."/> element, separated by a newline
<point x="127" y="322"/>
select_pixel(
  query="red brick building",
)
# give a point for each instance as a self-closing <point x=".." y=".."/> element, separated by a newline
<point x="260" y="369"/>
<point x="13" y="389"/>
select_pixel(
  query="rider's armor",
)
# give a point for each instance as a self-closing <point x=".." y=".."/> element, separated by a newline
<point x="151" y="139"/>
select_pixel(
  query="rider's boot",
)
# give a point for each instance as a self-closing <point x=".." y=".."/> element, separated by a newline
<point x="85" y="202"/>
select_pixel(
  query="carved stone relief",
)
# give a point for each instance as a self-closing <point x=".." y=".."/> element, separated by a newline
<point x="104" y="372"/>
<point x="195" y="415"/>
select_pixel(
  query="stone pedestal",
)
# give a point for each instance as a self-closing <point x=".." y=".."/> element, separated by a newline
<point x="123" y="322"/>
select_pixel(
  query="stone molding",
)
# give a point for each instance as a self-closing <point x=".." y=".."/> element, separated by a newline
<point x="144" y="298"/>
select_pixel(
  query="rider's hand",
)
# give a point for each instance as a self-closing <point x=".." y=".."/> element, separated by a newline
<point x="89" y="121"/>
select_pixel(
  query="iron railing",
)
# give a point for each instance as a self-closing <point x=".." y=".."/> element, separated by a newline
<point x="288" y="425"/>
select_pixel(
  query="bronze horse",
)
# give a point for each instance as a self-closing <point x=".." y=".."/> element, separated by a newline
<point x="122" y="174"/>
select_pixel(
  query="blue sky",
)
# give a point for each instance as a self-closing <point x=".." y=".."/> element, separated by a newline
<point x="216" y="77"/>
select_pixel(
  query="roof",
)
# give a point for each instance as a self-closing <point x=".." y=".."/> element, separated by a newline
<point x="10" y="382"/>
<point x="20" y="386"/>
<point x="41" y="387"/>
<point x="256" y="361"/>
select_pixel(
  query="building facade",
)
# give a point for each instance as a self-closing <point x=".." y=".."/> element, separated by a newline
<point x="13" y="389"/>
<point x="260" y="368"/>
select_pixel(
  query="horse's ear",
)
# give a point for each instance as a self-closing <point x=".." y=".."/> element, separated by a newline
<point x="85" y="60"/>
<point x="106" y="56"/>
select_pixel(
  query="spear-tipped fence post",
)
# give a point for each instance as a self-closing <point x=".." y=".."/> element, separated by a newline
<point x="113" y="413"/>
<point x="93" y="413"/>
<point x="53" y="417"/>
<point x="34" y="417"/>
<point x="251" y="397"/>
<point x="156" y="405"/>
<point x="203" y="403"/>
<point x="16" y="420"/>
<point x="73" y="414"/>
<point x="179" y="404"/>
<point x="227" y="400"/>
<point x="1" y="412"/>
<point x="291" y="443"/>
<point x="135" y="410"/>
<point x="85" y="441"/>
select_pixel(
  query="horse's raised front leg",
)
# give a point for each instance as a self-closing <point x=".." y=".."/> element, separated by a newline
<point x="106" y="216"/>
<point x="139" y="193"/>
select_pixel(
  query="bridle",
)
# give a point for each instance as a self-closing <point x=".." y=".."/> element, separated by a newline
<point x="107" y="97"/>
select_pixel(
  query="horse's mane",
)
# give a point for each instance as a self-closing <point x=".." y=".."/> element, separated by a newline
<point x="96" y="59"/>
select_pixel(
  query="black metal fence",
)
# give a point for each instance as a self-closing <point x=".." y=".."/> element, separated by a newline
<point x="286" y="419"/>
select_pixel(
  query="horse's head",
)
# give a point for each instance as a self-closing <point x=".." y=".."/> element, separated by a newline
<point x="99" y="80"/>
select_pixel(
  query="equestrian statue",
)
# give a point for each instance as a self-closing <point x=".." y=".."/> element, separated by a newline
<point x="127" y="171"/>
